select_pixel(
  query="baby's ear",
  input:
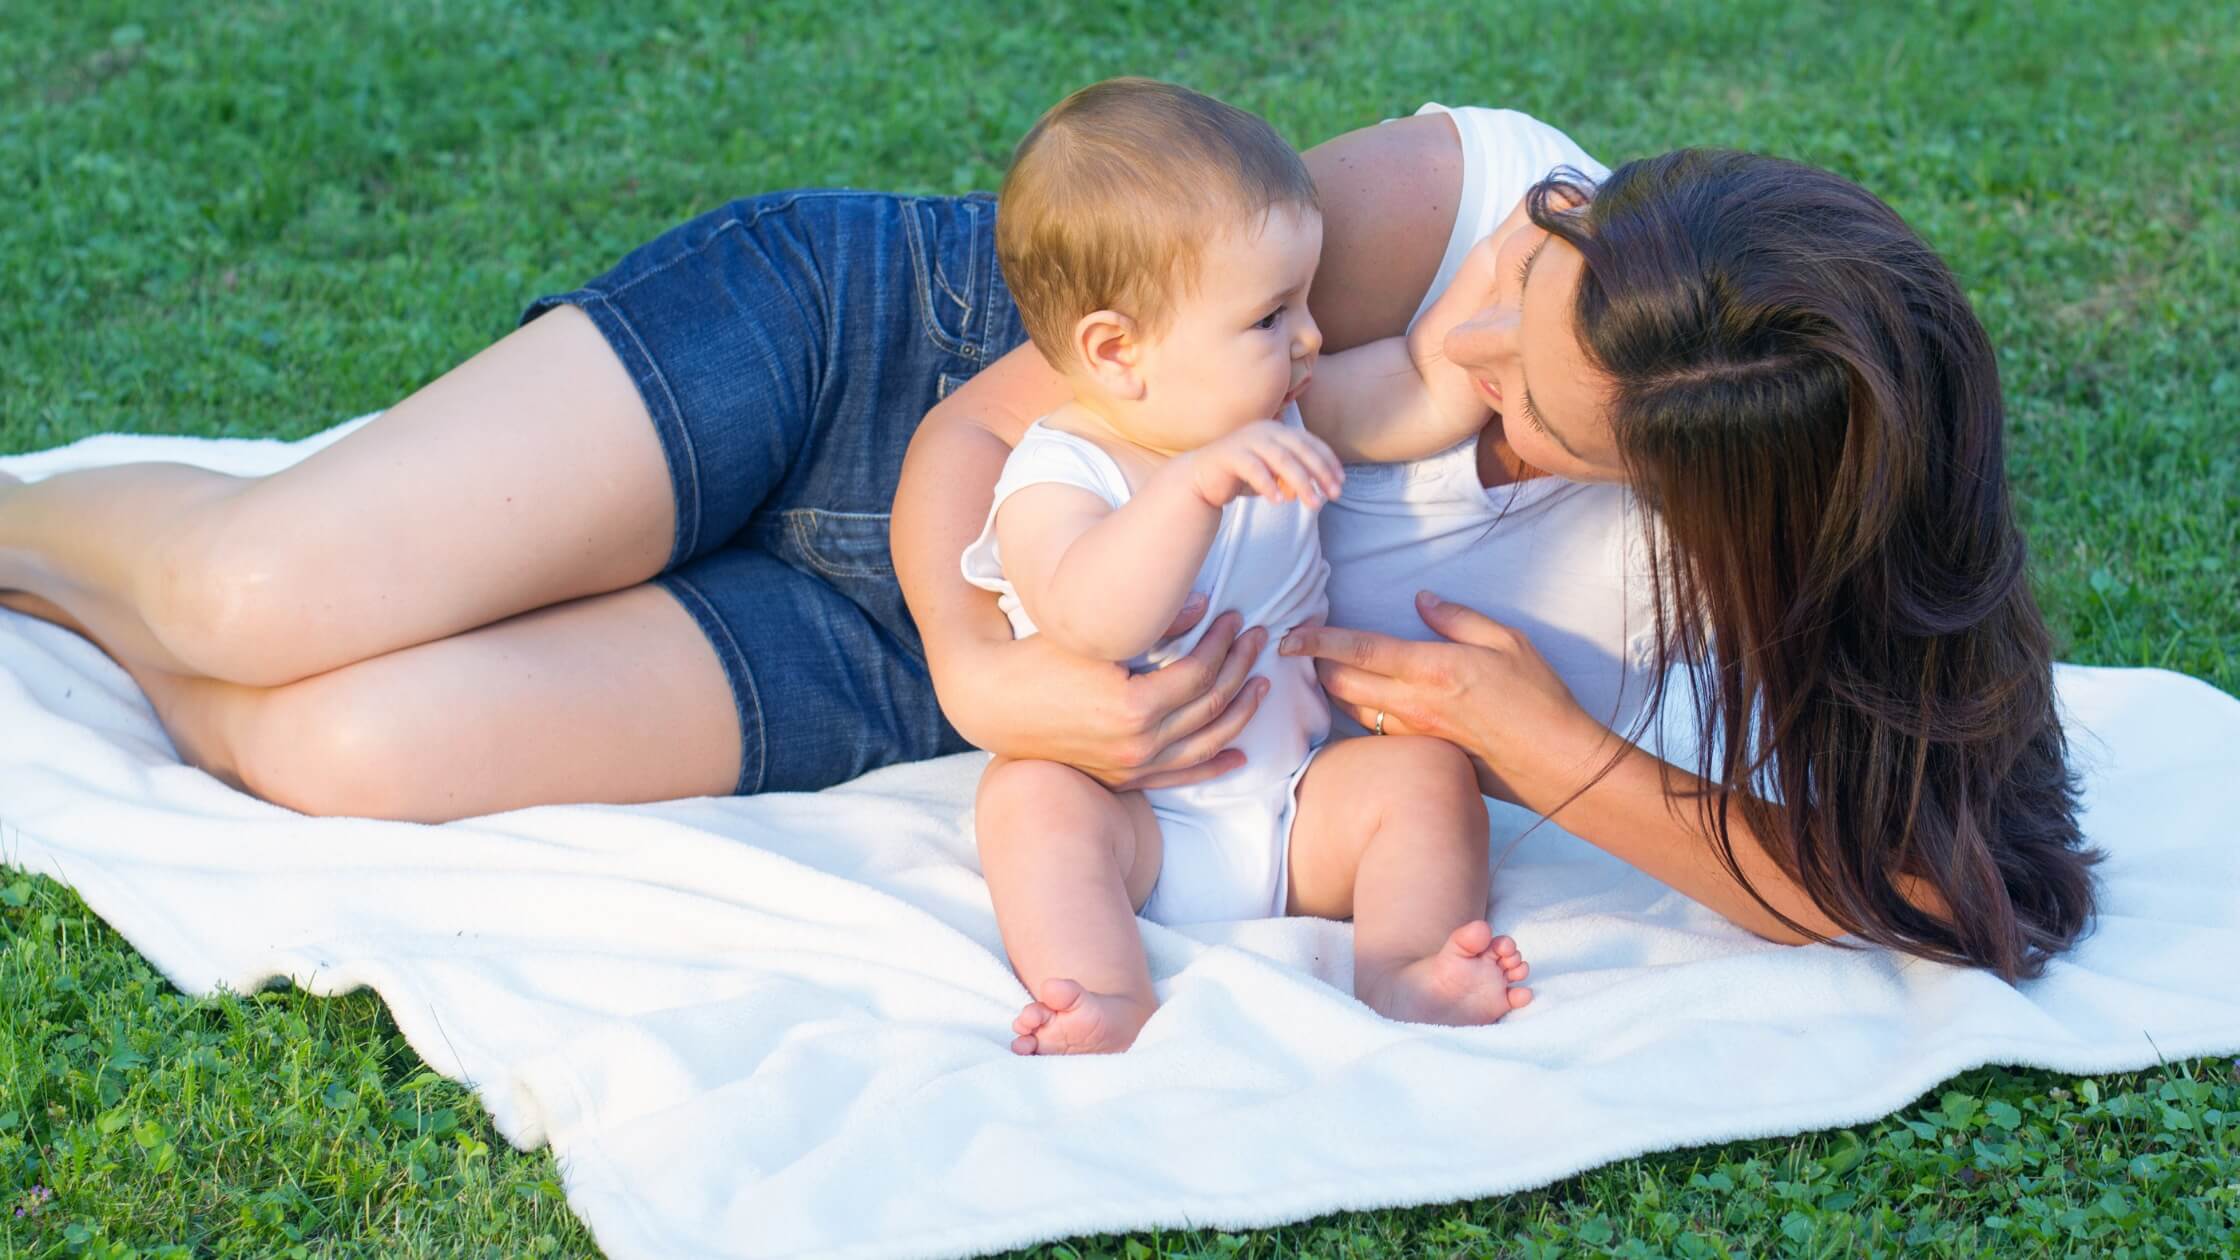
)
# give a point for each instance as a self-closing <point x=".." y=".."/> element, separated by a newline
<point x="1109" y="348"/>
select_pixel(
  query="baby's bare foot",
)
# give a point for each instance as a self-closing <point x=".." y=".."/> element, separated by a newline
<point x="1071" y="1020"/>
<point x="1471" y="980"/>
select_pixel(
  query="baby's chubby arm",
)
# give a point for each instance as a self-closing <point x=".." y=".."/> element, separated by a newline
<point x="1106" y="582"/>
<point x="1399" y="397"/>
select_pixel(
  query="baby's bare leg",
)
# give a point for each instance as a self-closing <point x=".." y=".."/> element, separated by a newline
<point x="1068" y="863"/>
<point x="1391" y="831"/>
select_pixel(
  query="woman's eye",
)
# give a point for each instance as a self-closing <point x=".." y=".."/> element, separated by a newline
<point x="1269" y="320"/>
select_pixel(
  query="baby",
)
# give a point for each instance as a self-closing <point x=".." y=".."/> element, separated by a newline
<point x="1160" y="244"/>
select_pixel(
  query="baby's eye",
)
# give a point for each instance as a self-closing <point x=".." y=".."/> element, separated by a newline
<point x="1269" y="320"/>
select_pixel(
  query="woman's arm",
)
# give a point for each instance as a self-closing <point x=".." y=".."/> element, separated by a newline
<point x="1389" y="196"/>
<point x="1399" y="398"/>
<point x="1488" y="691"/>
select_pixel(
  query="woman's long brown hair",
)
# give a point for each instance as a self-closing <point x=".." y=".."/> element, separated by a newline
<point x="1806" y="399"/>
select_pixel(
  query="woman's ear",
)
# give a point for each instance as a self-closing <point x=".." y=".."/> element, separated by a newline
<point x="1111" y="351"/>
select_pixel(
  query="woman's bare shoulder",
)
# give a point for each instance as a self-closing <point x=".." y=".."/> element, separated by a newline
<point x="1389" y="196"/>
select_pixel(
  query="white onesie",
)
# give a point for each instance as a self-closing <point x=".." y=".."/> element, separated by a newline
<point x="1225" y="839"/>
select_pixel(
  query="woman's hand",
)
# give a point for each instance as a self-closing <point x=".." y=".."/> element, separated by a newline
<point x="1486" y="689"/>
<point x="1166" y="728"/>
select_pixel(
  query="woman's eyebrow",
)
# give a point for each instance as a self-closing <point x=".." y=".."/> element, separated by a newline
<point x="1531" y="408"/>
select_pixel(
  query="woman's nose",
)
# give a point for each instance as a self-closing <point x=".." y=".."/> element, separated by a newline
<point x="1484" y="338"/>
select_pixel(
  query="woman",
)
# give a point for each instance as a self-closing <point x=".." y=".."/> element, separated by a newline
<point x="637" y="550"/>
<point x="1767" y="355"/>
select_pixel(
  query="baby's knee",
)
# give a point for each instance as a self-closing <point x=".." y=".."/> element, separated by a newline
<point x="1433" y="783"/>
<point x="1040" y="799"/>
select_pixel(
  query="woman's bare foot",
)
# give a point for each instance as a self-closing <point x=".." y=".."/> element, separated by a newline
<point x="1471" y="980"/>
<point x="1071" y="1020"/>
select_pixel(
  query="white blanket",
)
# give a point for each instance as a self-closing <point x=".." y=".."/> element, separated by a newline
<point x="778" y="1026"/>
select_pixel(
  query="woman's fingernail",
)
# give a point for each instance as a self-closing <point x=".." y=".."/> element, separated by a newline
<point x="1429" y="600"/>
<point x="1290" y="643"/>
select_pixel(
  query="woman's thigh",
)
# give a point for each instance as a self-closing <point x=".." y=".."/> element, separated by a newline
<point x="527" y="476"/>
<point x="733" y="674"/>
<point x="613" y="698"/>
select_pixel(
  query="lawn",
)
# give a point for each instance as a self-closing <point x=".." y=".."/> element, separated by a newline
<point x="259" y="218"/>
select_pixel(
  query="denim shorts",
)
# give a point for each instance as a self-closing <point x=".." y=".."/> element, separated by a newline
<point x="787" y="346"/>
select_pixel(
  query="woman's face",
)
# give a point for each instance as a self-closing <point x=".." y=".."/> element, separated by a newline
<point x="1523" y="351"/>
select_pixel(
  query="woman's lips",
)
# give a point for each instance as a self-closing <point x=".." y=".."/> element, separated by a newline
<point x="1486" y="387"/>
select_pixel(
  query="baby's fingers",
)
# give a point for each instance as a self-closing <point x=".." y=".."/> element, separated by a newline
<point x="1307" y="475"/>
<point x="1327" y="469"/>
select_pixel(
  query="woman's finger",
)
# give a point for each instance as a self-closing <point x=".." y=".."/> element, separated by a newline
<point x="1159" y="693"/>
<point x="1362" y="649"/>
<point x="1210" y="740"/>
<point x="1187" y="616"/>
<point x="1364" y="691"/>
<point x="1222" y="763"/>
<point x="1235" y="671"/>
<point x="1462" y="624"/>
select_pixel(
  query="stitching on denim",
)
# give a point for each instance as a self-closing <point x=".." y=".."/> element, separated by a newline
<point x="964" y="300"/>
<point x="703" y="611"/>
<point x="801" y="520"/>
<point x="975" y="264"/>
<point x="994" y="295"/>
<point x="921" y="293"/>
<point x="679" y="546"/>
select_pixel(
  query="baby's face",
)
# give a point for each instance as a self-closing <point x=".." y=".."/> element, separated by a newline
<point x="1241" y="344"/>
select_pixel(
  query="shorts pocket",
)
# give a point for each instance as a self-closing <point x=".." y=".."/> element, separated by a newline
<point x="841" y="544"/>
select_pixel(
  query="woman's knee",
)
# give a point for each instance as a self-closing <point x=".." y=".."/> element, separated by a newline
<point x="225" y="593"/>
<point x="328" y="750"/>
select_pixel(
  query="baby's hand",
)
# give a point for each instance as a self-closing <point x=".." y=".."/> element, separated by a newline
<point x="1269" y="459"/>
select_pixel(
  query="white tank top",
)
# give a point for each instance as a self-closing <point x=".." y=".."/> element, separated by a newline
<point x="1562" y="562"/>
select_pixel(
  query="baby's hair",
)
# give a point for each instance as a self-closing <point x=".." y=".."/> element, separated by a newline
<point x="1114" y="194"/>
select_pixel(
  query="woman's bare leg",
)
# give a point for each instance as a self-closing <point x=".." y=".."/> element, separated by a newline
<point x="528" y="475"/>
<point x="616" y="698"/>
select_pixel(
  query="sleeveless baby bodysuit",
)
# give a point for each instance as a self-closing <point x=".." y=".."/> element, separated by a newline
<point x="1226" y="839"/>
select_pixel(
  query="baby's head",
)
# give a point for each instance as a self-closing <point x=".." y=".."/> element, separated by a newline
<point x="1159" y="244"/>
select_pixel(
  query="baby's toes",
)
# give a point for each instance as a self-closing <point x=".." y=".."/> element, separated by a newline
<point x="1519" y="997"/>
<point x="1515" y="969"/>
<point x="1060" y="995"/>
<point x="1471" y="939"/>
<point x="1033" y="1016"/>
<point x="1025" y="1045"/>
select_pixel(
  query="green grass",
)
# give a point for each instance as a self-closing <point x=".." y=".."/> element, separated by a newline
<point x="256" y="219"/>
